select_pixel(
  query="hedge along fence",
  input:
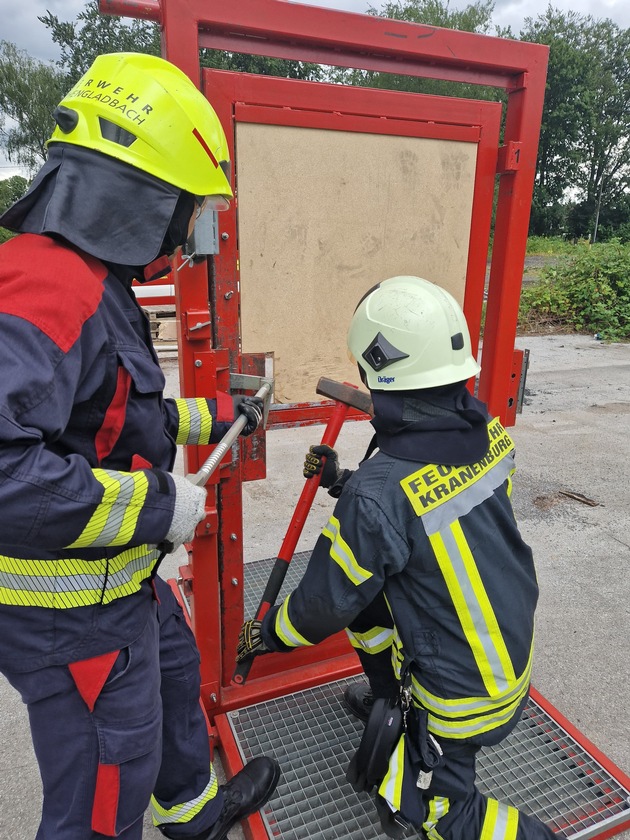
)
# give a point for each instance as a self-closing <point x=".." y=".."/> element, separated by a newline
<point x="588" y="292"/>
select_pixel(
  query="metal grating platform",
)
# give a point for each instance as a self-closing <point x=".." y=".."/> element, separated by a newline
<point x="255" y="576"/>
<point x="539" y="768"/>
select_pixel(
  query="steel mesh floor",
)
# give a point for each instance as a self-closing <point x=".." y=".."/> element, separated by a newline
<point x="538" y="768"/>
<point x="255" y="576"/>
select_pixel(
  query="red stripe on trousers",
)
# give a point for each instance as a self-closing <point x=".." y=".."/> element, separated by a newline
<point x="106" y="799"/>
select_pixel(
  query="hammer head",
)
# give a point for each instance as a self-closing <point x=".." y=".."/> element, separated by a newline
<point x="345" y="393"/>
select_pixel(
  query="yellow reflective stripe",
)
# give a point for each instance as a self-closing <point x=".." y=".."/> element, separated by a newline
<point x="67" y="583"/>
<point x="391" y="786"/>
<point x="469" y="727"/>
<point x="473" y="608"/>
<point x="509" y="483"/>
<point x="342" y="554"/>
<point x="451" y="717"/>
<point x="187" y="810"/>
<point x="495" y="637"/>
<point x="183" y="428"/>
<point x="285" y="630"/>
<point x="439" y="807"/>
<point x="457" y="707"/>
<point x="375" y="640"/>
<point x="511" y="823"/>
<point x="435" y="484"/>
<point x="116" y="516"/>
<point x="397" y="652"/>
<point x="195" y="421"/>
<point x="500" y="821"/>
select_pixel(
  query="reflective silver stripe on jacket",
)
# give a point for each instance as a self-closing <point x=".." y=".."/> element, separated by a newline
<point x="116" y="516"/>
<point x="195" y="421"/>
<point x="68" y="583"/>
<point x="500" y="821"/>
<point x="375" y="640"/>
<point x="460" y="505"/>
<point x="343" y="555"/>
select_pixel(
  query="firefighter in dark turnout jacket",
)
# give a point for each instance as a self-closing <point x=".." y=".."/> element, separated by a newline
<point x="95" y="643"/>
<point x="424" y="565"/>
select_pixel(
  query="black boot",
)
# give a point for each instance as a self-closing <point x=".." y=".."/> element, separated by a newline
<point x="358" y="699"/>
<point x="244" y="794"/>
<point x="393" y="824"/>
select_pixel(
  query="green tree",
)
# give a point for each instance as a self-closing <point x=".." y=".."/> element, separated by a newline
<point x="583" y="149"/>
<point x="29" y="92"/>
<point x="92" y="34"/>
<point x="10" y="190"/>
<point x="241" y="63"/>
<point x="475" y="17"/>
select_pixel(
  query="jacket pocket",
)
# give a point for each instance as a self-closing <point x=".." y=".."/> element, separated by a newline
<point x="129" y="761"/>
<point x="145" y="372"/>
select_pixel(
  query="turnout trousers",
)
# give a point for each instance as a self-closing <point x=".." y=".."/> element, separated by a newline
<point x="121" y="732"/>
<point x="452" y="808"/>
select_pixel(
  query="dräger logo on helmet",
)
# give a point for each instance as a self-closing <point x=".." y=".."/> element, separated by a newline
<point x="126" y="103"/>
<point x="386" y="380"/>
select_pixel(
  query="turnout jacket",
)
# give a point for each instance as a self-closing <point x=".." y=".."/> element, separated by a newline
<point x="442" y="544"/>
<point x="86" y="440"/>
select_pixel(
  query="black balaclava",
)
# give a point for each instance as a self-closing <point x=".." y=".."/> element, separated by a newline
<point x="105" y="207"/>
<point x="444" y="425"/>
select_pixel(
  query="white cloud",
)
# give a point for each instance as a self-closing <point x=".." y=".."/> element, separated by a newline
<point x="21" y="27"/>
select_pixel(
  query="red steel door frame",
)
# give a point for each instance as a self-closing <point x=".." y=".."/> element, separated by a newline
<point x="307" y="33"/>
<point x="294" y="31"/>
<point x="244" y="98"/>
<point x="209" y="295"/>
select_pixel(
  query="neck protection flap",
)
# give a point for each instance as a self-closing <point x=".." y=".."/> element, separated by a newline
<point x="113" y="211"/>
<point x="444" y="425"/>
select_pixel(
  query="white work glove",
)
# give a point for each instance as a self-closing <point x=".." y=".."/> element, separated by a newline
<point x="190" y="503"/>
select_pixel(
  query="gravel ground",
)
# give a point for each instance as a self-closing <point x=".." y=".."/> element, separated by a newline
<point x="573" y="437"/>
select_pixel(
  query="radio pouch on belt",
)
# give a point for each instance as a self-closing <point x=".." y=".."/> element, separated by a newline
<point x="388" y="720"/>
<point x="382" y="732"/>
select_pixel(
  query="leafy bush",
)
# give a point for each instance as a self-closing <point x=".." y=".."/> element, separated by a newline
<point x="543" y="246"/>
<point x="588" y="293"/>
<point x="10" y="190"/>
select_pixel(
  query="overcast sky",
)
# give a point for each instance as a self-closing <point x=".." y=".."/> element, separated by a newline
<point x="19" y="24"/>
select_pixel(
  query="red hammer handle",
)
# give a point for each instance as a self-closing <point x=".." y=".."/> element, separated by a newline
<point x="287" y="549"/>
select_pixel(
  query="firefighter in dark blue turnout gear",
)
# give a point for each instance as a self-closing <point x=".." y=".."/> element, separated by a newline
<point x="93" y="640"/>
<point x="423" y="564"/>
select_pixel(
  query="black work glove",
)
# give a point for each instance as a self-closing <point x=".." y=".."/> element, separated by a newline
<point x="323" y="459"/>
<point x="252" y="408"/>
<point x="250" y="642"/>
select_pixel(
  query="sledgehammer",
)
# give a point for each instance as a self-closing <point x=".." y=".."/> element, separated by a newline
<point x="346" y="396"/>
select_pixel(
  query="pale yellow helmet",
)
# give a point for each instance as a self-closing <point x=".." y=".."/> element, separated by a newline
<point x="407" y="334"/>
<point x="146" y="112"/>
